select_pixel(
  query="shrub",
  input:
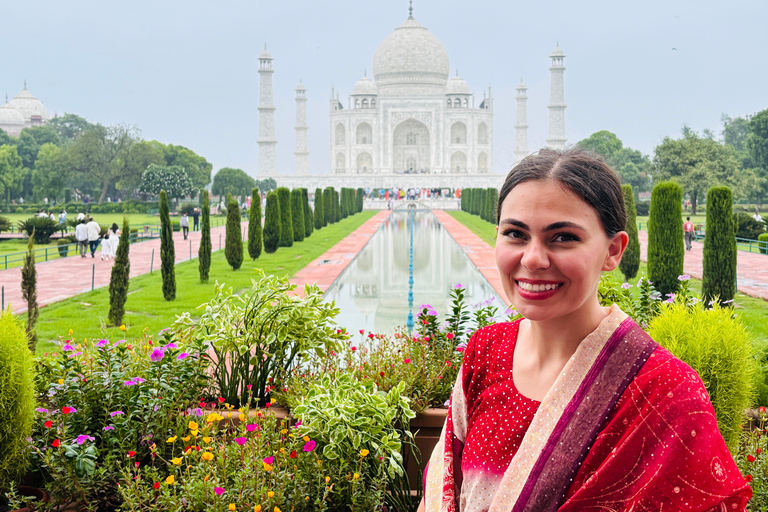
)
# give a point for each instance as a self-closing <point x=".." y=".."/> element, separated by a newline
<point x="297" y="215"/>
<point x="745" y="226"/>
<point x="254" y="225"/>
<point x="630" y="262"/>
<point x="319" y="211"/>
<point x="309" y="221"/>
<point x="63" y="247"/>
<point x="344" y="206"/>
<point x="327" y="206"/>
<point x="17" y="399"/>
<point x="233" y="245"/>
<point x="188" y="208"/>
<point x="666" y="250"/>
<point x="642" y="208"/>
<point x="29" y="291"/>
<point x="762" y="243"/>
<point x="715" y="344"/>
<point x="360" y="197"/>
<point x="204" y="252"/>
<point x="719" y="278"/>
<point x="167" y="250"/>
<point x="42" y="227"/>
<point x="119" y="279"/>
<point x="272" y="223"/>
<point x="480" y="202"/>
<point x="491" y="201"/>
<point x="286" y="220"/>
<point x="5" y="224"/>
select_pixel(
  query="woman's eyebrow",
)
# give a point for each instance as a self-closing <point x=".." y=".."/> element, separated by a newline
<point x="551" y="227"/>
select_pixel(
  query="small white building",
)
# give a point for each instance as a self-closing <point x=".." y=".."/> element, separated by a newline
<point x="410" y="118"/>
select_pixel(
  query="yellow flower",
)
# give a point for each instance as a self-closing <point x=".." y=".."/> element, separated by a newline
<point x="306" y="439"/>
<point x="186" y="439"/>
<point x="177" y="461"/>
<point x="171" y="439"/>
<point x="290" y="435"/>
<point x="273" y="400"/>
<point x="189" y="449"/>
<point x="270" y="494"/>
<point x="122" y="327"/>
<point x="193" y="426"/>
<point x="207" y="477"/>
<point x="206" y="439"/>
<point x="194" y="432"/>
<point x="306" y="498"/>
<point x="364" y="452"/>
<point x="267" y="467"/>
<point x="319" y="462"/>
<point x="257" y="508"/>
<point x="61" y="381"/>
<point x="356" y="476"/>
<point x="327" y="479"/>
<point x="170" y="480"/>
<point x="207" y="456"/>
<point x="214" y="417"/>
<point x="232" y="507"/>
<point x="278" y="510"/>
<point x="282" y="450"/>
<point x="283" y="431"/>
<point x="70" y="332"/>
<point x="229" y="415"/>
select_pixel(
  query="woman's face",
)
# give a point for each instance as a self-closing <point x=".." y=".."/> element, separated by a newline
<point x="551" y="249"/>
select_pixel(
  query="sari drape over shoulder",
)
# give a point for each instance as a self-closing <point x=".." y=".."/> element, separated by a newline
<point x="625" y="427"/>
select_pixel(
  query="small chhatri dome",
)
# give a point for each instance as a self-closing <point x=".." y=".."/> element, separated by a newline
<point x="301" y="87"/>
<point x="411" y="55"/>
<point x="365" y="86"/>
<point x="265" y="55"/>
<point x="521" y="85"/>
<point x="29" y="106"/>
<point x="557" y="52"/>
<point x="457" y="85"/>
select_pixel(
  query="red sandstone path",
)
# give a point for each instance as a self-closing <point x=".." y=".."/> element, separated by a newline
<point x="66" y="277"/>
<point x="325" y="269"/>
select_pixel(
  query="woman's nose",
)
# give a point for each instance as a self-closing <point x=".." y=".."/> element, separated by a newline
<point x="535" y="256"/>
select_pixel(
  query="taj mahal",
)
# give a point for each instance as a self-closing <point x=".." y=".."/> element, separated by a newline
<point x="23" y="111"/>
<point x="409" y="125"/>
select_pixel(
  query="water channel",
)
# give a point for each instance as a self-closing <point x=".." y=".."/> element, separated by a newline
<point x="373" y="291"/>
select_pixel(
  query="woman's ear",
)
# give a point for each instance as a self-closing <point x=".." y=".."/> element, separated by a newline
<point x="616" y="248"/>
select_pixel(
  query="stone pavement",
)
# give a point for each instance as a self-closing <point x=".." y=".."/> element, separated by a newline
<point x="325" y="269"/>
<point x="66" y="277"/>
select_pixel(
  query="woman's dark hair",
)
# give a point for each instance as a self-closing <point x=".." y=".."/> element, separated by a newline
<point x="114" y="227"/>
<point x="583" y="173"/>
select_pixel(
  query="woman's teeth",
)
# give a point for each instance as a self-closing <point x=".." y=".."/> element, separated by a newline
<point x="537" y="287"/>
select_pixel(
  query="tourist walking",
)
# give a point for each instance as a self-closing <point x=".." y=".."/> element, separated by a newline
<point x="63" y="221"/>
<point x="81" y="235"/>
<point x="184" y="223"/>
<point x="196" y="219"/>
<point x="80" y="216"/>
<point x="110" y="241"/>
<point x="757" y="216"/>
<point x="573" y="406"/>
<point x="688" y="229"/>
<point x="94" y="233"/>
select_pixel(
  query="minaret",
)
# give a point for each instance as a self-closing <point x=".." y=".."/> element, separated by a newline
<point x="521" y="126"/>
<point x="302" y="151"/>
<point x="556" y="137"/>
<point x="267" y="141"/>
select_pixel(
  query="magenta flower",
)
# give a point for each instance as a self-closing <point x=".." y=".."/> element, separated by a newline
<point x="182" y="356"/>
<point x="41" y="410"/>
<point x="458" y="286"/>
<point x="407" y="361"/>
<point x="218" y="490"/>
<point x="310" y="446"/>
<point x="156" y="355"/>
<point x="171" y="345"/>
<point x="129" y="383"/>
<point x="83" y="438"/>
<point x="241" y="440"/>
<point x="139" y="380"/>
<point x="271" y="460"/>
<point x="109" y="427"/>
<point x="683" y="277"/>
<point x="102" y="343"/>
<point x="251" y="427"/>
<point x="116" y="413"/>
<point x="461" y="346"/>
<point x="626" y="286"/>
<point x="67" y="348"/>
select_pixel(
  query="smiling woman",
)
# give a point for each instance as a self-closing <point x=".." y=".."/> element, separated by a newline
<point x="573" y="407"/>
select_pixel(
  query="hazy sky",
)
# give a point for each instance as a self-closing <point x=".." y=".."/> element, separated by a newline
<point x="185" y="72"/>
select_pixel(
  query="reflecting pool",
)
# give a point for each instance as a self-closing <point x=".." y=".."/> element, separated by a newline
<point x="372" y="292"/>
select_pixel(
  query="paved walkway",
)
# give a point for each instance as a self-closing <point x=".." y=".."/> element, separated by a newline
<point x="66" y="277"/>
<point x="325" y="269"/>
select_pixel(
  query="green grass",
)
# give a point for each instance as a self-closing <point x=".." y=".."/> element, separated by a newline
<point x="752" y="311"/>
<point x="146" y="308"/>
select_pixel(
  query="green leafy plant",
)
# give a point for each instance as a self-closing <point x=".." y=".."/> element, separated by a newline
<point x="642" y="306"/>
<point x="17" y="399"/>
<point x="763" y="243"/>
<point x="120" y="278"/>
<point x="272" y="223"/>
<point x="167" y="250"/>
<point x="489" y="209"/>
<point x="360" y="198"/>
<point x="309" y="222"/>
<point x="318" y="213"/>
<point x="752" y="460"/>
<point x="204" y="252"/>
<point x="233" y="248"/>
<point x="630" y="261"/>
<point x="328" y="206"/>
<point x="286" y="220"/>
<point x="39" y="228"/>
<point x="744" y="225"/>
<point x="29" y="291"/>
<point x="719" y="278"/>
<point x="297" y="215"/>
<point x="260" y="335"/>
<point x="254" y="225"/>
<point x="5" y="224"/>
<point x="665" y="237"/>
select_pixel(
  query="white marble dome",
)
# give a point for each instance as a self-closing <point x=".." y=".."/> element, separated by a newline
<point x="11" y="120"/>
<point x="29" y="106"/>
<point x="411" y="55"/>
<point x="365" y="86"/>
<point x="265" y="54"/>
<point x="457" y="85"/>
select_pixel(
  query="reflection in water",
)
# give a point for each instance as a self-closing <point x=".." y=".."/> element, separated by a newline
<point x="372" y="293"/>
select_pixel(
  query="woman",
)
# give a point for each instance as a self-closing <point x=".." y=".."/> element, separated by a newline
<point x="573" y="407"/>
<point x="109" y="244"/>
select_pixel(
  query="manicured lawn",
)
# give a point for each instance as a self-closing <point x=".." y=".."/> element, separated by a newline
<point x="752" y="311"/>
<point x="146" y="308"/>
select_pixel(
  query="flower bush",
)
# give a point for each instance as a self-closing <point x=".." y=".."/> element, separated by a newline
<point x="103" y="402"/>
<point x="752" y="460"/>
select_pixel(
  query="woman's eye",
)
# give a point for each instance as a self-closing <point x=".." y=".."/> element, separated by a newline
<point x="566" y="237"/>
<point x="514" y="233"/>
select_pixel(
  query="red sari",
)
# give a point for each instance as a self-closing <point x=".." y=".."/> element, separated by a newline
<point x="625" y="427"/>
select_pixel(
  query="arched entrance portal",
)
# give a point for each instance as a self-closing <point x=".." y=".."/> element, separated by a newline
<point x="410" y="150"/>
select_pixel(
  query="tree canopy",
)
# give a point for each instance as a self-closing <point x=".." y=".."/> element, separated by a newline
<point x="173" y="179"/>
<point x="232" y="181"/>
<point x="632" y="166"/>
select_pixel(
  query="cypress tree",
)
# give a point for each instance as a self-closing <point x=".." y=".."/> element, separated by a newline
<point x="309" y="221"/>
<point x="360" y="199"/>
<point x="336" y="205"/>
<point x="344" y="205"/>
<point x="630" y="262"/>
<point x="327" y="206"/>
<point x="491" y="200"/>
<point x="719" y="278"/>
<point x="272" y="223"/>
<point x="666" y="251"/>
<point x="119" y="279"/>
<point x="319" y="211"/>
<point x="463" y="200"/>
<point x="167" y="250"/>
<point x="297" y="215"/>
<point x="286" y="221"/>
<point x="480" y="203"/>
<point x="29" y="290"/>
<point x="233" y="245"/>
<point x="204" y="252"/>
<point x="254" y="225"/>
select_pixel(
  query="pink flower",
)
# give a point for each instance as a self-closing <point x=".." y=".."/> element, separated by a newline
<point x="183" y="355"/>
<point x="83" y="438"/>
<point x="407" y="361"/>
<point x="116" y="413"/>
<point x="449" y="335"/>
<point x="269" y="460"/>
<point x="129" y="383"/>
<point x="251" y="427"/>
<point x="362" y="331"/>
<point x="218" y="490"/>
<point x="249" y="386"/>
<point x="156" y="355"/>
<point x="241" y="440"/>
<point x="102" y="343"/>
<point x="354" y="349"/>
<point x="310" y="446"/>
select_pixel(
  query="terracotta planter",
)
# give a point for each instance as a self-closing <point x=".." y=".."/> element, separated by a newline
<point x="429" y="425"/>
<point x="40" y="494"/>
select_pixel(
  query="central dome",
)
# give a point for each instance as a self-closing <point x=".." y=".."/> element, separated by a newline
<point x="411" y="55"/>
